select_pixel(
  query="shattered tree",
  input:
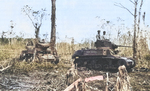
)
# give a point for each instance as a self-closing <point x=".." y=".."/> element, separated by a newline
<point x="136" y="23"/>
<point x="35" y="17"/>
<point x="123" y="83"/>
<point x="53" y="28"/>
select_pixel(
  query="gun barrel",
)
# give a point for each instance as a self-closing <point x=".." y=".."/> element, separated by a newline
<point x="124" y="46"/>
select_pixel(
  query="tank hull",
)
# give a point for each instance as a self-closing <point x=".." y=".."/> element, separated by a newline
<point x="101" y="63"/>
<point x="100" y="59"/>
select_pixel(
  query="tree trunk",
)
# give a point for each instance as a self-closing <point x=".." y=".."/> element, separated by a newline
<point x="53" y="29"/>
<point x="37" y="32"/>
<point x="139" y="30"/>
<point x="134" y="38"/>
<point x="3" y="37"/>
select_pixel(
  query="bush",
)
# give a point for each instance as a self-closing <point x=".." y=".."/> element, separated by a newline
<point x="147" y="57"/>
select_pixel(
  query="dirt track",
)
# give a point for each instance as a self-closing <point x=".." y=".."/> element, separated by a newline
<point x="55" y="80"/>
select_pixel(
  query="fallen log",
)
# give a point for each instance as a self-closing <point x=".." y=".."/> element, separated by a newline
<point x="80" y="80"/>
<point x="74" y="84"/>
<point x="4" y="68"/>
<point x="93" y="78"/>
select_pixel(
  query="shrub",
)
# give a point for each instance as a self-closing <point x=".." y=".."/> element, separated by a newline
<point x="147" y="57"/>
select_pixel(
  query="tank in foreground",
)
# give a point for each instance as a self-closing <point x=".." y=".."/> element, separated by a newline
<point x="102" y="57"/>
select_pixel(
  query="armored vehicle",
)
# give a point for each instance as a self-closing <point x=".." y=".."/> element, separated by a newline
<point x="42" y="51"/>
<point x="102" y="57"/>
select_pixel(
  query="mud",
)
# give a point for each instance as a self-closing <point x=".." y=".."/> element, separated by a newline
<point x="38" y="80"/>
<point x="55" y="80"/>
<point x="140" y="80"/>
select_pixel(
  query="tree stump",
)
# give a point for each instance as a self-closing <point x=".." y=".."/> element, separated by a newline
<point x="123" y="83"/>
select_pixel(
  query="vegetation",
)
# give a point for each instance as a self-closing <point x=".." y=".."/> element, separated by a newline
<point x="8" y="51"/>
<point x="137" y="37"/>
<point x="36" y="18"/>
<point x="65" y="51"/>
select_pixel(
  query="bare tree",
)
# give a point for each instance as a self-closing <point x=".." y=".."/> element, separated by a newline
<point x="53" y="28"/>
<point x="11" y="32"/>
<point x="136" y="25"/>
<point x="2" y="36"/>
<point x="143" y="18"/>
<point x="139" y="18"/>
<point x="36" y="18"/>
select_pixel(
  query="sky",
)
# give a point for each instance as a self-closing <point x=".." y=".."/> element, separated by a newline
<point x="74" y="18"/>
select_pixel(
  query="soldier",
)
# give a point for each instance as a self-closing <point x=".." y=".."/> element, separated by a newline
<point x="104" y="35"/>
<point x="98" y="37"/>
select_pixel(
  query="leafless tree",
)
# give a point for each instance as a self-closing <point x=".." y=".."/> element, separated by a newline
<point x="53" y="28"/>
<point x="3" y="35"/>
<point x="136" y="24"/>
<point x="36" y="18"/>
<point x="139" y="18"/>
<point x="11" y="33"/>
<point x="144" y="18"/>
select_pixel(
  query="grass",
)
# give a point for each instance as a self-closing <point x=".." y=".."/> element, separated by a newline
<point x="22" y="67"/>
<point x="10" y="51"/>
<point x="65" y="51"/>
<point x="19" y="67"/>
<point x="140" y="81"/>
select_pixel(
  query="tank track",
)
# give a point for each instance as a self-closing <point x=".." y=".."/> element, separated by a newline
<point x="97" y="63"/>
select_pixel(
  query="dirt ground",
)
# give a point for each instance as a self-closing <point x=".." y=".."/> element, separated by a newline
<point x="55" y="80"/>
<point x="140" y="80"/>
<point x="38" y="80"/>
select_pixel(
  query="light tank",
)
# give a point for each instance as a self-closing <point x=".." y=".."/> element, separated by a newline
<point x="40" y="50"/>
<point x="102" y="57"/>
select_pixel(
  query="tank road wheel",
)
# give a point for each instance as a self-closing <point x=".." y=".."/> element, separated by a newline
<point x="85" y="63"/>
<point x="92" y="64"/>
<point x="23" y="55"/>
<point x="98" y="67"/>
<point x="32" y="57"/>
<point x="77" y="62"/>
<point x="29" y="57"/>
<point x="105" y="67"/>
<point x="57" y="60"/>
<point x="89" y="65"/>
<point x="26" y="57"/>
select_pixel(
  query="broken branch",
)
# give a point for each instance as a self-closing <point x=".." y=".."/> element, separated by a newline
<point x="121" y="6"/>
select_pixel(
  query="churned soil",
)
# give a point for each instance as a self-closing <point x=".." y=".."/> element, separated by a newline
<point x="55" y="80"/>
